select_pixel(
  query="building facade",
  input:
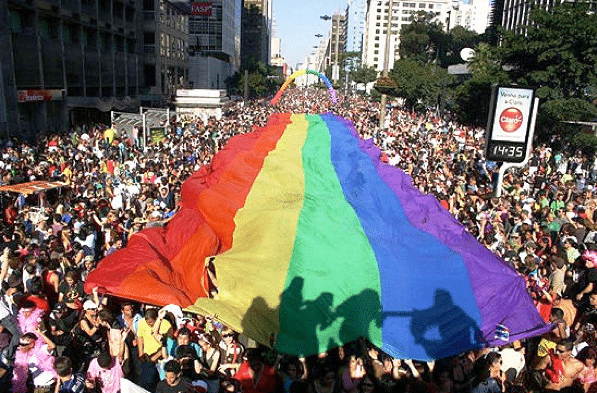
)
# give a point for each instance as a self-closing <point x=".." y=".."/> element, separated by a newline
<point x="337" y="41"/>
<point x="214" y="44"/>
<point x="165" y="50"/>
<point x="256" y="30"/>
<point x="276" y="58"/>
<point x="355" y="25"/>
<point x="516" y="13"/>
<point x="473" y="16"/>
<point x="402" y="14"/>
<point x="66" y="61"/>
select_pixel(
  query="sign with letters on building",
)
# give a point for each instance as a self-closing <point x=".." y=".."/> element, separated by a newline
<point x="509" y="124"/>
<point x="38" y="95"/>
<point x="201" y="8"/>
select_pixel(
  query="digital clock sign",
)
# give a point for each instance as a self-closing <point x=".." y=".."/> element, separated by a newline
<point x="509" y="124"/>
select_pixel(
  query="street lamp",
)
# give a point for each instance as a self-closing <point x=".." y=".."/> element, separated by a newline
<point x="325" y="17"/>
<point x="318" y="35"/>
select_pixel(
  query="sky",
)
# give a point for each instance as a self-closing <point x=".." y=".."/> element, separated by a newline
<point x="297" y="23"/>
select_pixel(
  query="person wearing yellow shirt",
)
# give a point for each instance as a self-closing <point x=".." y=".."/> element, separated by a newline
<point x="151" y="333"/>
<point x="68" y="174"/>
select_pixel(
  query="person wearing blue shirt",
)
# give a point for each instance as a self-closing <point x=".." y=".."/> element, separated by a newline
<point x="68" y="382"/>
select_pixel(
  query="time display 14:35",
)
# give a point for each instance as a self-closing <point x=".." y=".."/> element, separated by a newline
<point x="506" y="152"/>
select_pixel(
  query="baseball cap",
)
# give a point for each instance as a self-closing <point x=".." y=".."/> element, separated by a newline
<point x="89" y="305"/>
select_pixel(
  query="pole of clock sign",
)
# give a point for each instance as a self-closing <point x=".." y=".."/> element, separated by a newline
<point x="510" y="128"/>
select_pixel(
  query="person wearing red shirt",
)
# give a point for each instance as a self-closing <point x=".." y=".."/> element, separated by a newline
<point x="257" y="377"/>
<point x="37" y="297"/>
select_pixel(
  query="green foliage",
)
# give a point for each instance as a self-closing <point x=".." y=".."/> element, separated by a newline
<point x="458" y="39"/>
<point x="558" y="53"/>
<point x="472" y="98"/>
<point x="263" y="79"/>
<point x="426" y="42"/>
<point x="419" y="83"/>
<point x="585" y="141"/>
<point x="420" y="39"/>
<point x="570" y="109"/>
<point x="553" y="113"/>
<point x="557" y="56"/>
<point x="363" y="74"/>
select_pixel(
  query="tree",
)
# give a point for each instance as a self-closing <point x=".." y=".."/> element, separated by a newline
<point x="423" y="40"/>
<point x="554" y="116"/>
<point x="557" y="56"/>
<point x="471" y="102"/>
<point x="363" y="74"/>
<point x="419" y="84"/>
<point x="558" y="52"/>
<point x="458" y="39"/>
<point x="263" y="79"/>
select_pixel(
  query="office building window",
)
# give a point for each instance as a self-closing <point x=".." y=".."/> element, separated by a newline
<point x="148" y="5"/>
<point x="149" y="73"/>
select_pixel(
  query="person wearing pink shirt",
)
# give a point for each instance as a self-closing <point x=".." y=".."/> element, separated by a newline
<point x="29" y="317"/>
<point x="33" y="356"/>
<point x="104" y="372"/>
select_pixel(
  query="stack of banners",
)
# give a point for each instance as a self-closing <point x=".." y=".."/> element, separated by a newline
<point x="315" y="243"/>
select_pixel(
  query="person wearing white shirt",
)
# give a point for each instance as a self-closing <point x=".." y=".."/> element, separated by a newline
<point x="513" y="360"/>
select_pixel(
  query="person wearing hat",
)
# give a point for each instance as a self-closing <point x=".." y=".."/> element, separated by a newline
<point x="589" y="283"/>
<point x="88" y="337"/>
<point x="65" y="317"/>
<point x="33" y="357"/>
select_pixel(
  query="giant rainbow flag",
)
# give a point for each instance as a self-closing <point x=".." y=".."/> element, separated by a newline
<point x="315" y="243"/>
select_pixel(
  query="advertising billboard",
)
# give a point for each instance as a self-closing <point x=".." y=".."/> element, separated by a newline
<point x="201" y="8"/>
<point x="509" y="124"/>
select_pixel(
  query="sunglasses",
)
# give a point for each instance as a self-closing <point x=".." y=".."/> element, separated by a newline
<point x="227" y="335"/>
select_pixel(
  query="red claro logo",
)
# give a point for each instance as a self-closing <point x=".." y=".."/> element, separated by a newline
<point x="511" y="119"/>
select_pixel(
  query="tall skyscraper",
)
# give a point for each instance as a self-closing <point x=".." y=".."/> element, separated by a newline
<point x="214" y="42"/>
<point x="256" y="30"/>
<point x="337" y="41"/>
<point x="357" y="10"/>
<point x="473" y="15"/>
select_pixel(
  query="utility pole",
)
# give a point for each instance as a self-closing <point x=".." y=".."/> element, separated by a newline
<point x="246" y="86"/>
<point x="384" y="73"/>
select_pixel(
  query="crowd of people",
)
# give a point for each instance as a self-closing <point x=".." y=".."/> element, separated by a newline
<point x="54" y="337"/>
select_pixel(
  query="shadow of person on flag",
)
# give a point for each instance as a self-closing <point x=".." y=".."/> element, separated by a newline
<point x="298" y="320"/>
<point x="442" y="327"/>
<point x="301" y="319"/>
<point x="308" y="321"/>
<point x="367" y="304"/>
